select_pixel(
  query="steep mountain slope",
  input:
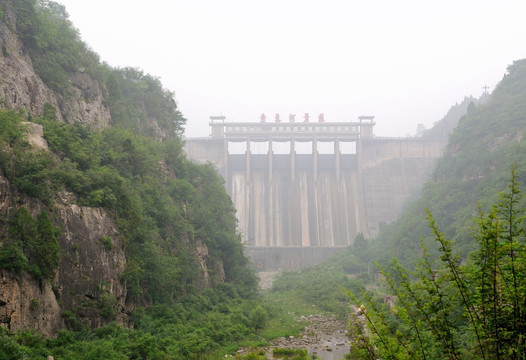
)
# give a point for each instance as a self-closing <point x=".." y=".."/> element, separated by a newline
<point x="474" y="169"/>
<point x="82" y="97"/>
<point x="100" y="212"/>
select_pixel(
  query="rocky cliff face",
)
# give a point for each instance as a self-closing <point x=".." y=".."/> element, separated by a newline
<point x="24" y="304"/>
<point x="21" y="88"/>
<point x="92" y="262"/>
<point x="88" y="288"/>
<point x="92" y="257"/>
<point x="88" y="282"/>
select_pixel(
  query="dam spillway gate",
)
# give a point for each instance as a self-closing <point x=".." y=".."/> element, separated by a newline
<point x="303" y="190"/>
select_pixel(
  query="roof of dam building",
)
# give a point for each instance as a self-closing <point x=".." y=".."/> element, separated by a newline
<point x="278" y="130"/>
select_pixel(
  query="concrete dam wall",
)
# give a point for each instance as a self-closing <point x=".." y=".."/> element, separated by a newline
<point x="279" y="208"/>
<point x="295" y="209"/>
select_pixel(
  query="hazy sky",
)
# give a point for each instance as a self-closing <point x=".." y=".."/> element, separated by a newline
<point x="405" y="62"/>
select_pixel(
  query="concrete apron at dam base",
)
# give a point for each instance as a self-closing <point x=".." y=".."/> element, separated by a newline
<point x="289" y="257"/>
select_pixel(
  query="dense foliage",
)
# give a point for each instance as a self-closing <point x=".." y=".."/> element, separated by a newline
<point x="208" y="325"/>
<point x="135" y="99"/>
<point x="452" y="310"/>
<point x="162" y="203"/>
<point x="201" y="326"/>
<point x="30" y="245"/>
<point x="53" y="43"/>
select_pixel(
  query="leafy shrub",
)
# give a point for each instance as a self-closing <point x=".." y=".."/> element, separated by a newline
<point x="108" y="306"/>
<point x="258" y="317"/>
<point x="32" y="245"/>
<point x="10" y="350"/>
<point x="34" y="304"/>
<point x="298" y="354"/>
<point x="449" y="308"/>
<point x="106" y="242"/>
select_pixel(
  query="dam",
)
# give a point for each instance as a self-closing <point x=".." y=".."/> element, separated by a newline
<point x="303" y="190"/>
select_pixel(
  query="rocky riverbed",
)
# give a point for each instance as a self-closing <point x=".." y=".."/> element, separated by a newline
<point x="324" y="337"/>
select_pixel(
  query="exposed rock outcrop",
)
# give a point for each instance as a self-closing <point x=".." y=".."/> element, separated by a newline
<point x="86" y="105"/>
<point x="35" y="136"/>
<point x="92" y="261"/>
<point x="25" y="304"/>
<point x="22" y="88"/>
<point x="88" y="286"/>
<point x="88" y="281"/>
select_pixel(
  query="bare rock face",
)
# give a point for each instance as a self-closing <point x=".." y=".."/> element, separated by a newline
<point x="35" y="135"/>
<point x="22" y="88"/>
<point x="202" y="254"/>
<point x="156" y="131"/>
<point x="24" y="304"/>
<point x="91" y="264"/>
<point x="86" y="105"/>
<point x="87" y="287"/>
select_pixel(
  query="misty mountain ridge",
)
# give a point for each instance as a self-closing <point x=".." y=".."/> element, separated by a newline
<point x="444" y="127"/>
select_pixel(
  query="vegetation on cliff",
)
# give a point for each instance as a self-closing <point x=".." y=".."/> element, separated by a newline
<point x="192" y="290"/>
<point x="185" y="262"/>
<point x="474" y="294"/>
<point x="472" y="172"/>
<point x="52" y="42"/>
<point x="443" y="128"/>
<point x="162" y="203"/>
<point x="31" y="245"/>
<point x="136" y="101"/>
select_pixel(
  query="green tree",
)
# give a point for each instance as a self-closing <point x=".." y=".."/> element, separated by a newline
<point x="23" y="229"/>
<point x="38" y="242"/>
<point x="458" y="308"/>
<point x="9" y="349"/>
<point x="46" y="247"/>
<point x="258" y="317"/>
<point x="360" y="245"/>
